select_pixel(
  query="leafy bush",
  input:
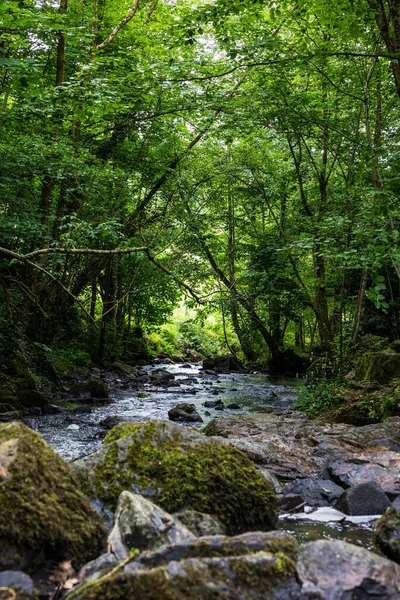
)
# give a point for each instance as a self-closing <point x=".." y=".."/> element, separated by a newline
<point x="319" y="396"/>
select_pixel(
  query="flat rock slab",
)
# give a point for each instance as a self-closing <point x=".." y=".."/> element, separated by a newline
<point x="293" y="447"/>
<point x="336" y="570"/>
<point x="351" y="473"/>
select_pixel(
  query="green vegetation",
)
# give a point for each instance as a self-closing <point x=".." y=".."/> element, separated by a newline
<point x="241" y="159"/>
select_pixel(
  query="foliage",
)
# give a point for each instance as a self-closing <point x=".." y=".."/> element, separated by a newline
<point x="318" y="397"/>
<point x="250" y="150"/>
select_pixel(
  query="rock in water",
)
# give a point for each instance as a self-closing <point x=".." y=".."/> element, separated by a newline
<point x="43" y="517"/>
<point x="185" y="412"/>
<point x="336" y="570"/>
<point x="179" y="468"/>
<point x="387" y="534"/>
<point x="142" y="525"/>
<point x="363" y="499"/>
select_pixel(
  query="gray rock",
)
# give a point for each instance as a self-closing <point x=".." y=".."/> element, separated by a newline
<point x="363" y="499"/>
<point x="213" y="403"/>
<point x="293" y="446"/>
<point x="354" y="472"/>
<point x="336" y="570"/>
<point x="161" y="376"/>
<point x="200" y="524"/>
<point x="387" y="534"/>
<point x="142" y="525"/>
<point x="184" y="412"/>
<point x="254" y="566"/>
<point x="315" y="492"/>
<point x="18" y="582"/>
<point x="98" y="567"/>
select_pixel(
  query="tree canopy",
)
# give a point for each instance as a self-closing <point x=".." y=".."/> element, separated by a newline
<point x="240" y="155"/>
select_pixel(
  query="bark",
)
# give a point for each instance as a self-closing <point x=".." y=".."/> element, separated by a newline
<point x="360" y="306"/>
<point x="388" y="22"/>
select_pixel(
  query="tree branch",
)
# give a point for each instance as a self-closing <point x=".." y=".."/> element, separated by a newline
<point x="24" y="257"/>
<point x="118" y="28"/>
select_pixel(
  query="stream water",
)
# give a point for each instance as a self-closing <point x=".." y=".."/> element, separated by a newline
<point x="75" y="435"/>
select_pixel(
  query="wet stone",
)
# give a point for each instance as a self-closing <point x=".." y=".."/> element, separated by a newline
<point x="363" y="499"/>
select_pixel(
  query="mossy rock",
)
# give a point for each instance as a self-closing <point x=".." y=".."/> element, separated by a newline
<point x="44" y="518"/>
<point x="253" y="566"/>
<point x="381" y="367"/>
<point x="178" y="468"/>
<point x="387" y="534"/>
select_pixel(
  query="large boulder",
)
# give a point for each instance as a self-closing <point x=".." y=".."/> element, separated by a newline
<point x="336" y="570"/>
<point x="142" y="525"/>
<point x="252" y="566"/>
<point x="44" y="518"/>
<point x="364" y="499"/>
<point x="381" y="367"/>
<point x="387" y="533"/>
<point x="179" y="468"/>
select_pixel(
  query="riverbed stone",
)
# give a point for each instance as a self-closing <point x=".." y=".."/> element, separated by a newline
<point x="337" y="570"/>
<point x="364" y="499"/>
<point x="176" y="468"/>
<point x="16" y="585"/>
<point x="44" y="518"/>
<point x="184" y="412"/>
<point x="161" y="376"/>
<point x="315" y="492"/>
<point x="200" y="524"/>
<point x="293" y="447"/>
<point x="142" y="525"/>
<point x="252" y="566"/>
<point x="387" y="534"/>
<point x="354" y="472"/>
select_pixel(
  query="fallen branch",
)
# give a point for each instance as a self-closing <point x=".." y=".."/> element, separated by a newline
<point x="23" y="257"/>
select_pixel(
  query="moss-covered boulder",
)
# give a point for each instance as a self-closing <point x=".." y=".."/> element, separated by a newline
<point x="387" y="533"/>
<point x="381" y="367"/>
<point x="43" y="517"/>
<point x="253" y="566"/>
<point x="179" y="468"/>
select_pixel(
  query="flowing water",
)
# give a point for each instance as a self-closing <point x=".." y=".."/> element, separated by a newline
<point x="75" y="435"/>
<point x="251" y="392"/>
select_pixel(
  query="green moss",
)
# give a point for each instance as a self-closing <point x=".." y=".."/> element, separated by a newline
<point x="43" y="517"/>
<point x="208" y="579"/>
<point x="208" y="477"/>
<point x="212" y="429"/>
